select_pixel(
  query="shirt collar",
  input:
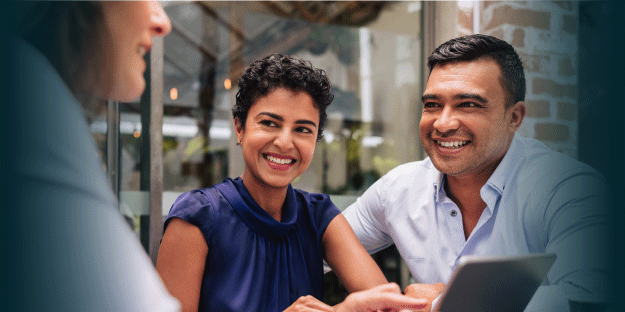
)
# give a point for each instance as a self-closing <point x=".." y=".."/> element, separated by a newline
<point x="438" y="186"/>
<point x="499" y="178"/>
<point x="496" y="184"/>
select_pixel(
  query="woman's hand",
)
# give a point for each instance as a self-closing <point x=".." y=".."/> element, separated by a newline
<point x="308" y="303"/>
<point x="385" y="297"/>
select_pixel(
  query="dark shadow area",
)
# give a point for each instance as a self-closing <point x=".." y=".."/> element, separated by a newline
<point x="601" y="110"/>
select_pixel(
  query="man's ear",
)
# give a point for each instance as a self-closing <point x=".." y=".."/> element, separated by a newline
<point x="517" y="113"/>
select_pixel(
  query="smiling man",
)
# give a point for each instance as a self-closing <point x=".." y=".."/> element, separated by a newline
<point x="484" y="190"/>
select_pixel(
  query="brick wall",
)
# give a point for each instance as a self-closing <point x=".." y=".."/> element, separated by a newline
<point x="544" y="33"/>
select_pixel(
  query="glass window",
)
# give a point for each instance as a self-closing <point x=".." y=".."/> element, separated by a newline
<point x="374" y="68"/>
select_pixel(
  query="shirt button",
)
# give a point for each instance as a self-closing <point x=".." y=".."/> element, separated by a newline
<point x="453" y="213"/>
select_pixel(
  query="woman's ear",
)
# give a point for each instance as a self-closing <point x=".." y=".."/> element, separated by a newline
<point x="238" y="128"/>
<point x="516" y="116"/>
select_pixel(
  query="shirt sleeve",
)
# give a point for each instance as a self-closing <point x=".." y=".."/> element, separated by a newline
<point x="196" y="208"/>
<point x="366" y="217"/>
<point x="324" y="212"/>
<point x="578" y="232"/>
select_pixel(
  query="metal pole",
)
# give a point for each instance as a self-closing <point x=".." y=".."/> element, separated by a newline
<point x="156" y="146"/>
<point x="112" y="146"/>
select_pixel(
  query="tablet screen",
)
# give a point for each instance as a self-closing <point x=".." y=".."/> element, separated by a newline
<point x="495" y="283"/>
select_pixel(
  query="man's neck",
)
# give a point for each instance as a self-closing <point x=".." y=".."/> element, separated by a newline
<point x="464" y="191"/>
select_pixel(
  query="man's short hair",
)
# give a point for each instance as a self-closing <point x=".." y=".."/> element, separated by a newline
<point x="283" y="71"/>
<point x="473" y="47"/>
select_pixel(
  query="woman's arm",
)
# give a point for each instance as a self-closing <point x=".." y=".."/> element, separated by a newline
<point x="348" y="259"/>
<point x="181" y="261"/>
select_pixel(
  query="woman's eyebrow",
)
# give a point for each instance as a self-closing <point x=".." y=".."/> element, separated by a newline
<point x="306" y="121"/>
<point x="278" y="117"/>
<point x="272" y="115"/>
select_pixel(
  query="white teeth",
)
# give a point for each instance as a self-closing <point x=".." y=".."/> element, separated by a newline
<point x="453" y="144"/>
<point x="279" y="161"/>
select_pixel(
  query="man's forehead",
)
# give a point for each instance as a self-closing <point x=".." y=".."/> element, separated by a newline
<point x="464" y="74"/>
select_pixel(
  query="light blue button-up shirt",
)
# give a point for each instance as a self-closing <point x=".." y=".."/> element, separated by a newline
<point x="537" y="201"/>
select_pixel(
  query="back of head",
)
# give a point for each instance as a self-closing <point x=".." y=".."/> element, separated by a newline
<point x="69" y="34"/>
<point x="478" y="46"/>
<point x="283" y="71"/>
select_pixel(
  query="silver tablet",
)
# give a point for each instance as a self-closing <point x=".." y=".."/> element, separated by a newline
<point x="495" y="283"/>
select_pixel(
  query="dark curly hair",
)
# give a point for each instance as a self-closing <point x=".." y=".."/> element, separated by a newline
<point x="473" y="47"/>
<point x="283" y="71"/>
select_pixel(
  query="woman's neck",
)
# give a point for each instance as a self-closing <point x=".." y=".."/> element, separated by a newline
<point x="269" y="198"/>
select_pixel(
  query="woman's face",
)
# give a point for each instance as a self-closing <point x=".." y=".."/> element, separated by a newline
<point x="278" y="138"/>
<point x="130" y="26"/>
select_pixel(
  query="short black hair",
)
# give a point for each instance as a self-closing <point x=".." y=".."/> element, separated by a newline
<point x="283" y="71"/>
<point x="473" y="47"/>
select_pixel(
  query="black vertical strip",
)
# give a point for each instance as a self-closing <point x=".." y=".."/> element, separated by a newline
<point x="145" y="152"/>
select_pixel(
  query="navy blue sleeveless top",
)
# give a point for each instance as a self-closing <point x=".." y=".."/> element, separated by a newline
<point x="254" y="262"/>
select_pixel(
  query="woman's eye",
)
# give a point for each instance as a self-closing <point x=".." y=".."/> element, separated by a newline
<point x="268" y="123"/>
<point x="304" y="130"/>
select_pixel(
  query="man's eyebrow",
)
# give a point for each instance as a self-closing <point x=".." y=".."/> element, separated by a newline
<point x="299" y="121"/>
<point x="429" y="97"/>
<point x="473" y="96"/>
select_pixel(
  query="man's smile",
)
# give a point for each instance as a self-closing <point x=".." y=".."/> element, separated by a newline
<point x="452" y="144"/>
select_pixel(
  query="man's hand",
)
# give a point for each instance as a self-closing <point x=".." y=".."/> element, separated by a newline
<point x="385" y="297"/>
<point x="426" y="291"/>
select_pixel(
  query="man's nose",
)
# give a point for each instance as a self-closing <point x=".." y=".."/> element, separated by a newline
<point x="446" y="121"/>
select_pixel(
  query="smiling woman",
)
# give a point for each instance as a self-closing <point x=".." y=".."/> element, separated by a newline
<point x="254" y="243"/>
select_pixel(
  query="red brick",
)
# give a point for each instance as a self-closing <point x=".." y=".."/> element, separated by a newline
<point x="537" y="109"/>
<point x="550" y="87"/>
<point x="518" y="38"/>
<point x="487" y="4"/>
<point x="567" y="111"/>
<point x="465" y="20"/>
<point x="551" y="132"/>
<point x="569" y="24"/>
<point x="534" y="63"/>
<point x="519" y="17"/>
<point x="565" y="67"/>
<point x="567" y="5"/>
<point x="498" y="33"/>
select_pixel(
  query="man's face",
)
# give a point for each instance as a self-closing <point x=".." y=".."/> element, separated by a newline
<point x="465" y="127"/>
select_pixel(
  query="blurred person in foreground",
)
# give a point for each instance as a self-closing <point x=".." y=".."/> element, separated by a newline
<point x="485" y="190"/>
<point x="69" y="247"/>
<point x="254" y="243"/>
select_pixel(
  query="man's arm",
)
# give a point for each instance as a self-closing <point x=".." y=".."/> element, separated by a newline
<point x="366" y="217"/>
<point x="578" y="231"/>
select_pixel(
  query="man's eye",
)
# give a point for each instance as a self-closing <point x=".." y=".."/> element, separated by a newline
<point x="468" y="104"/>
<point x="429" y="105"/>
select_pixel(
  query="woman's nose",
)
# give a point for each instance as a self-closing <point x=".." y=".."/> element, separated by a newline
<point x="284" y="140"/>
<point x="160" y="23"/>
